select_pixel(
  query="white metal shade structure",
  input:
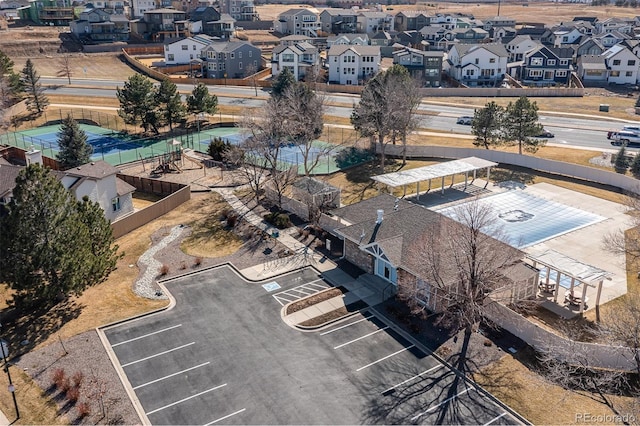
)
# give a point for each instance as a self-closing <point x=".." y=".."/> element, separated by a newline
<point x="436" y="171"/>
<point x="570" y="273"/>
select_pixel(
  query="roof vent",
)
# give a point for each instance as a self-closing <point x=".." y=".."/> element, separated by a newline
<point x="380" y="216"/>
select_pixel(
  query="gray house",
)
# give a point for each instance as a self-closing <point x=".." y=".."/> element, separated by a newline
<point x="424" y="66"/>
<point x="230" y="59"/>
<point x="96" y="25"/>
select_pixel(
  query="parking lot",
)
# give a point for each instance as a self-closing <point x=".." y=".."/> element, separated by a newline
<point x="223" y="355"/>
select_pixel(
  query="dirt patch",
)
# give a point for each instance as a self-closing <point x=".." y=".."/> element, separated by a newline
<point x="330" y="293"/>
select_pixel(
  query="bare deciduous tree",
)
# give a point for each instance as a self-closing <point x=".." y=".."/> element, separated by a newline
<point x="250" y="71"/>
<point x="621" y="327"/>
<point x="65" y="69"/>
<point x="627" y="243"/>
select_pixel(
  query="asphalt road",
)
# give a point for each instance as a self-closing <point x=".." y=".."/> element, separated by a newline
<point x="581" y="132"/>
<point x="224" y="355"/>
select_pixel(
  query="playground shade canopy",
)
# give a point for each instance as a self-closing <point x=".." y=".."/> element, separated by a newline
<point x="408" y="177"/>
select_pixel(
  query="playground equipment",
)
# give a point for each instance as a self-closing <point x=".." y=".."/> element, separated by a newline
<point x="168" y="163"/>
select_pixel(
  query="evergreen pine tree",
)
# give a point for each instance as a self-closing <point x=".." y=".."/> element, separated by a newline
<point x="621" y="163"/>
<point x="74" y="149"/>
<point x="635" y="166"/>
<point x="37" y="101"/>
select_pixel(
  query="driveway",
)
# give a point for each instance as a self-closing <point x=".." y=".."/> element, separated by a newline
<point x="223" y="355"/>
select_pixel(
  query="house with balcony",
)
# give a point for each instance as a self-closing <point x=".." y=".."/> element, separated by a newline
<point x="230" y="59"/>
<point x="212" y="22"/>
<point x="372" y="22"/>
<point x="298" y="22"/>
<point x="519" y="46"/>
<point x="423" y="66"/>
<point x="299" y="58"/>
<point x="240" y="10"/>
<point x="499" y="21"/>
<point x="410" y="20"/>
<point x="448" y="22"/>
<point x="547" y="66"/>
<point x="139" y="7"/>
<point x="564" y="36"/>
<point x="615" y="24"/>
<point x="118" y="7"/>
<point x="338" y="21"/>
<point x="611" y="39"/>
<point x="438" y="38"/>
<point x="186" y="50"/>
<point x="592" y="70"/>
<point x="477" y="64"/>
<point x="470" y="35"/>
<point x="96" y="25"/>
<point x="622" y="65"/>
<point x="48" y="12"/>
<point x="160" y="24"/>
<point x="352" y="64"/>
<point x="360" y="39"/>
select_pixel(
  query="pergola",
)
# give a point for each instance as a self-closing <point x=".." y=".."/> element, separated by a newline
<point x="570" y="273"/>
<point x="436" y="171"/>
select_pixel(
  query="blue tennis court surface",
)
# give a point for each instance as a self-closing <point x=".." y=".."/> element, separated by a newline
<point x="528" y="220"/>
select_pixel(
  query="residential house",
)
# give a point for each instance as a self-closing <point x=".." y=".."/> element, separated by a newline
<point x="547" y="66"/>
<point x="96" y="180"/>
<point x="139" y="7"/>
<point x="410" y="39"/>
<point x="410" y="20"/>
<point x="381" y="236"/>
<point x="564" y="36"/>
<point x="611" y="38"/>
<point x="470" y="35"/>
<point x="502" y="34"/>
<point x="298" y="21"/>
<point x="477" y="64"/>
<point x="519" y="46"/>
<point x="97" y="25"/>
<point x="48" y="12"/>
<point x="298" y="58"/>
<point x="186" y="50"/>
<point x="372" y="22"/>
<point x="592" y="70"/>
<point x="240" y="10"/>
<point x="590" y="46"/>
<point x="339" y="21"/>
<point x="448" y="22"/>
<point x="622" y="65"/>
<point x="118" y="7"/>
<point x="290" y="40"/>
<point x="230" y="59"/>
<point x="539" y="34"/>
<point x="633" y="45"/>
<point x="438" y="38"/>
<point x="161" y="24"/>
<point x="213" y="23"/>
<point x="499" y="21"/>
<point x="614" y="24"/>
<point x="352" y="64"/>
<point x="424" y="66"/>
<point x="360" y="39"/>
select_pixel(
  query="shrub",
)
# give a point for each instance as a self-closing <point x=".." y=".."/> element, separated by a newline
<point x="232" y="220"/>
<point x="621" y="163"/>
<point x="83" y="409"/>
<point x="197" y="261"/>
<point x="306" y="233"/>
<point x="487" y="342"/>
<point x="279" y="220"/>
<point x="66" y="385"/>
<point x="164" y="270"/>
<point x="77" y="378"/>
<point x="183" y="265"/>
<point x="59" y="377"/>
<point x="224" y="214"/>
<point x="73" y="394"/>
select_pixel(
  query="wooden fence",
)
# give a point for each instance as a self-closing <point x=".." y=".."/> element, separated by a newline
<point x="135" y="220"/>
<point x="152" y="186"/>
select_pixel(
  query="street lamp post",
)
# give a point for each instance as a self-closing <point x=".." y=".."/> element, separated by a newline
<point x="12" y="388"/>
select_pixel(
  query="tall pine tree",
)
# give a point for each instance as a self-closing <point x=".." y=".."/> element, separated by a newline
<point x="171" y="108"/>
<point x="51" y="245"/>
<point x="37" y="101"/>
<point x="74" y="149"/>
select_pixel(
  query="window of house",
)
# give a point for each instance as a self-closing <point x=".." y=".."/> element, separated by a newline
<point x="631" y="62"/>
<point x="255" y="64"/>
<point x="629" y="74"/>
<point x="614" y="74"/>
<point x="477" y="61"/>
<point x="194" y="47"/>
<point x="616" y="62"/>
<point x="564" y="62"/>
<point x="561" y="73"/>
<point x="239" y="65"/>
<point x="239" y="55"/>
<point x="492" y="60"/>
<point x="233" y="55"/>
<point x="170" y="57"/>
<point x="551" y="62"/>
<point x="213" y="66"/>
<point x="115" y="204"/>
<point x="536" y="61"/>
<point x="535" y="73"/>
<point x="250" y="53"/>
<point x="287" y="57"/>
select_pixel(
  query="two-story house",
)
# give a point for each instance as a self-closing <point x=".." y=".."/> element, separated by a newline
<point x="477" y="64"/>
<point x="614" y="24"/>
<point x="547" y="66"/>
<point x="611" y="38"/>
<point x="565" y="36"/>
<point x="159" y="24"/>
<point x="339" y="21"/>
<point x="372" y="22"/>
<point x="185" y="50"/>
<point x="100" y="26"/>
<point x="298" y="21"/>
<point x="352" y="64"/>
<point x="212" y="22"/>
<point x="448" y="22"/>
<point x="240" y="10"/>
<point x="360" y="39"/>
<point x="590" y="46"/>
<point x="519" y="46"/>
<point x="424" y="66"/>
<point x="48" y="12"/>
<point x="438" y="38"/>
<point x="498" y="21"/>
<point x="470" y="35"/>
<point x="622" y="65"/>
<point x="298" y="58"/>
<point x="592" y="70"/>
<point x="230" y="59"/>
<point x="410" y="20"/>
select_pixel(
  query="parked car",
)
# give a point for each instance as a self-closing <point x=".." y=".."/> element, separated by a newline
<point x="545" y="134"/>
<point x="465" y="119"/>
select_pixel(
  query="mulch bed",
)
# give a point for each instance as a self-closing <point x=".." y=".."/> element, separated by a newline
<point x="314" y="299"/>
<point x="334" y="315"/>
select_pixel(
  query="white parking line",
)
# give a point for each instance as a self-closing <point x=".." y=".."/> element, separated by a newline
<point x="170" y="375"/>
<point x="346" y="325"/>
<point x="500" y="416"/>
<point x="416" y="417"/>
<point x="361" y="337"/>
<point x="185" y="399"/>
<point x="412" y="378"/>
<point x="388" y="356"/>
<point x="225" y="417"/>
<point x="158" y="354"/>
<point x="146" y="335"/>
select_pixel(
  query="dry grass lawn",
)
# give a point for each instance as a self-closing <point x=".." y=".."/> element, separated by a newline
<point x="107" y="66"/>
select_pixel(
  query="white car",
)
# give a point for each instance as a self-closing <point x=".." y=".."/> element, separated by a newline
<point x="465" y="119"/>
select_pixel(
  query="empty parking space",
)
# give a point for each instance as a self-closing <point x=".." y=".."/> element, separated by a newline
<point x="223" y="355"/>
<point x="300" y="291"/>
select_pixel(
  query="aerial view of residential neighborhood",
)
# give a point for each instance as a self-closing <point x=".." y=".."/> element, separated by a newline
<point x="335" y="213"/>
